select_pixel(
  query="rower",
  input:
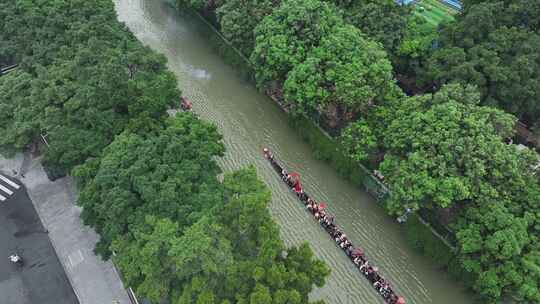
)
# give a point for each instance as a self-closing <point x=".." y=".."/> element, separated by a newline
<point x="392" y="299"/>
<point x="337" y="234"/>
<point x="322" y="216"/>
<point x="349" y="250"/>
<point x="384" y="288"/>
<point x="374" y="275"/>
<point x="332" y="230"/>
<point x="379" y="284"/>
<point x="323" y="220"/>
<point x="329" y="220"/>
<point x="364" y="266"/>
<point x="302" y="195"/>
<point x="267" y="154"/>
<point x="357" y="261"/>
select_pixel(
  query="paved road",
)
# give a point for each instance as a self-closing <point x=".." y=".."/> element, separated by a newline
<point x="93" y="280"/>
<point x="42" y="279"/>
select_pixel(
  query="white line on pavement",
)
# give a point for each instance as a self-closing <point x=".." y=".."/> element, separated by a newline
<point x="2" y="198"/>
<point x="6" y="190"/>
<point x="9" y="182"/>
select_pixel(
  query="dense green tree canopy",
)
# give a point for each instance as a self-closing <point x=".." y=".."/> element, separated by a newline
<point x="84" y="95"/>
<point x="170" y="174"/>
<point x="382" y="20"/>
<point x="444" y="148"/>
<point x="40" y="31"/>
<point x="345" y="70"/>
<point x="143" y="256"/>
<point x="285" y="37"/>
<point x="233" y="254"/>
<point x="359" y="140"/>
<point x="494" y="45"/>
<point x="501" y="248"/>
<point x="238" y="19"/>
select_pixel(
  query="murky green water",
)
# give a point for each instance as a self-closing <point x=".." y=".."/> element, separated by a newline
<point x="249" y="121"/>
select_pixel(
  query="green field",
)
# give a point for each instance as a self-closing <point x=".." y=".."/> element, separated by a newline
<point x="434" y="11"/>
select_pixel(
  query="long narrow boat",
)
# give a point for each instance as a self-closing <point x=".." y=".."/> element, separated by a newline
<point x="355" y="254"/>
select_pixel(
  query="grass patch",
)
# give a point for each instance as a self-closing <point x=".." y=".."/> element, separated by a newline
<point x="434" y="11"/>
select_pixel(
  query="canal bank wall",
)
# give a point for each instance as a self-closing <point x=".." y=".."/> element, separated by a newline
<point x="418" y="232"/>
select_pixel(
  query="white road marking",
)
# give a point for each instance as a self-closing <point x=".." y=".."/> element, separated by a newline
<point x="6" y="190"/>
<point x="2" y="198"/>
<point x="75" y="258"/>
<point x="9" y="182"/>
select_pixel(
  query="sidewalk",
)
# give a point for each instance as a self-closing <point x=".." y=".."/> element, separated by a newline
<point x="94" y="281"/>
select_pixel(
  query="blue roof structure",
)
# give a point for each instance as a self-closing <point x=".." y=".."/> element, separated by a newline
<point x="453" y="3"/>
<point x="404" y="2"/>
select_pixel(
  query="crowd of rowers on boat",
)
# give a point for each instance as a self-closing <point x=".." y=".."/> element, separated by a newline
<point x="326" y="220"/>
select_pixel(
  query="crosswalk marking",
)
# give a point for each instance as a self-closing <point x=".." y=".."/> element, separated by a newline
<point x="9" y="182"/>
<point x="6" y="190"/>
<point x="2" y="198"/>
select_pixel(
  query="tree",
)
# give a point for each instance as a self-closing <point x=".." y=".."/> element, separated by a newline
<point x="202" y="252"/>
<point x="83" y="113"/>
<point x="17" y="113"/>
<point x="285" y="37"/>
<point x="444" y="148"/>
<point x="493" y="46"/>
<point x="492" y="243"/>
<point x="143" y="257"/>
<point x="232" y="254"/>
<point x="263" y="261"/>
<point x="83" y="95"/>
<point x="262" y="269"/>
<point x="238" y="18"/>
<point x="382" y="20"/>
<point x="359" y="141"/>
<point x="346" y="71"/>
<point x="168" y="174"/>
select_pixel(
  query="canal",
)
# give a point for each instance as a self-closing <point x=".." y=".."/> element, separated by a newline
<point x="249" y="120"/>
